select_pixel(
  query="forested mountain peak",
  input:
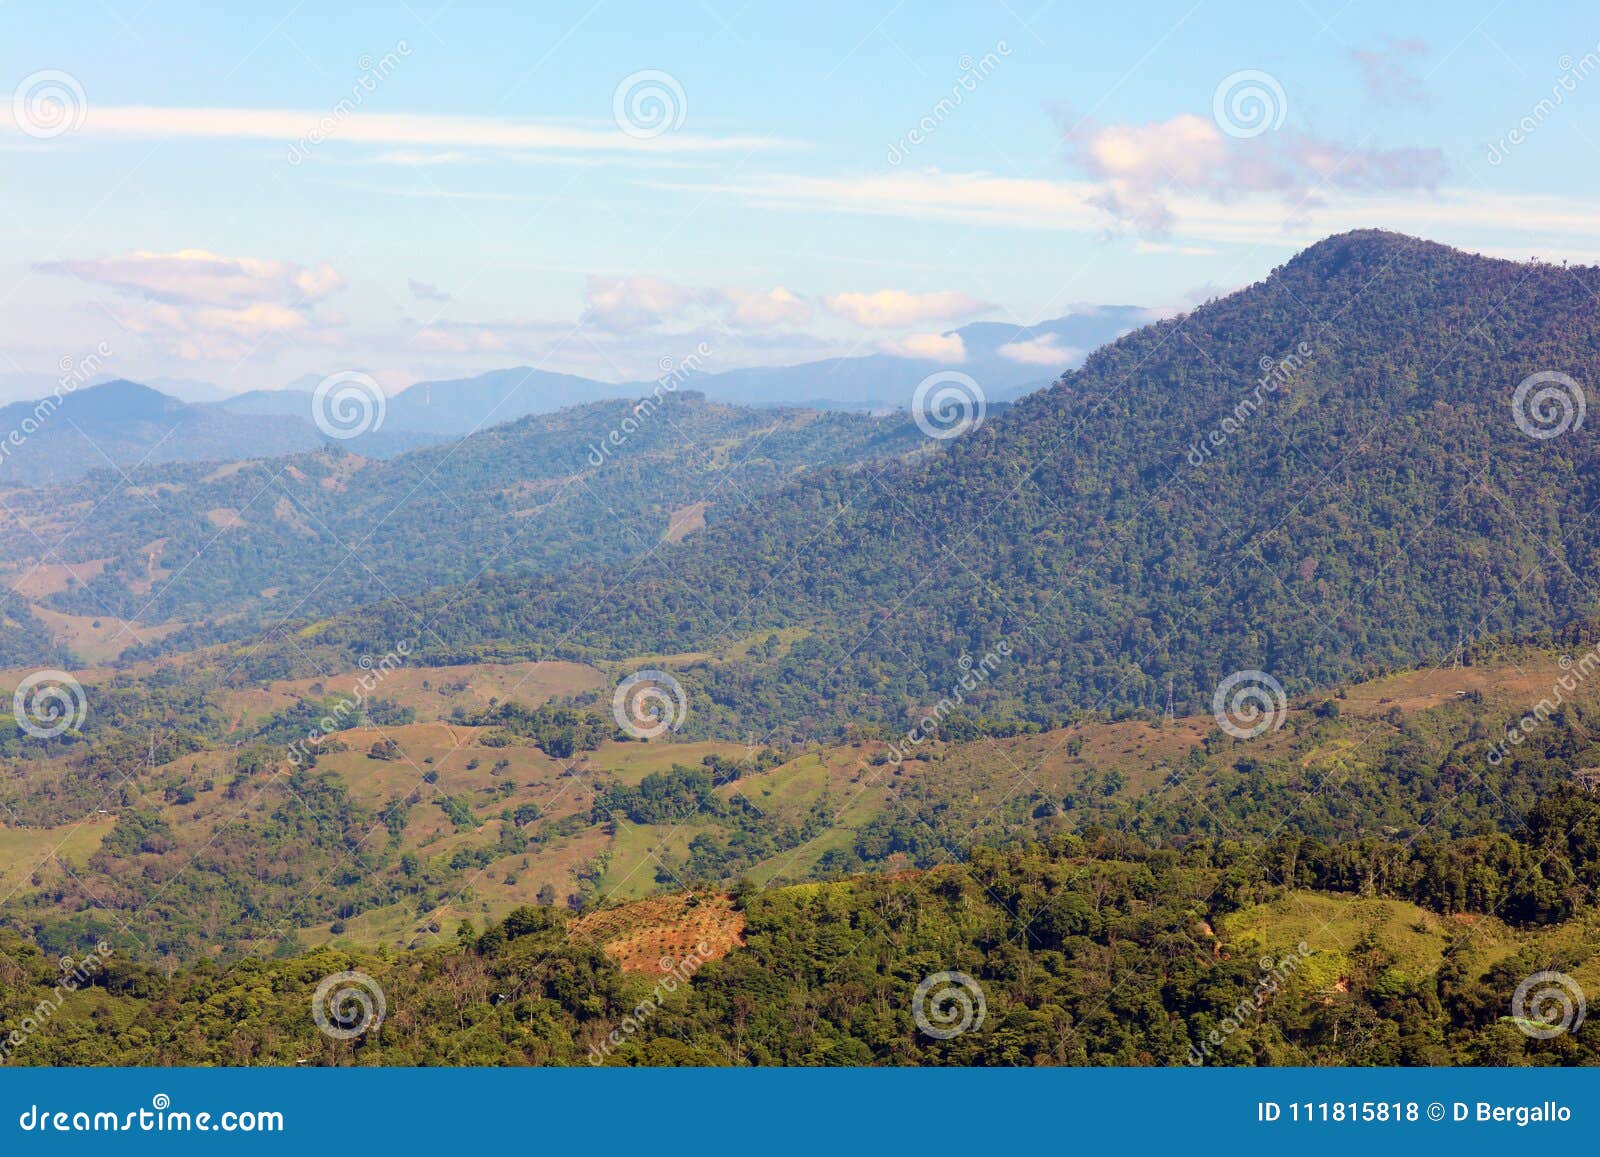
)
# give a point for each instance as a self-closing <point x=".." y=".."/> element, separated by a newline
<point x="1325" y="473"/>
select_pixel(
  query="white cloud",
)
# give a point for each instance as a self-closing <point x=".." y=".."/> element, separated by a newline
<point x="214" y="333"/>
<point x="630" y="303"/>
<point x="893" y="308"/>
<point x="932" y="347"/>
<point x="758" y="309"/>
<point x="1140" y="169"/>
<point x="194" y="276"/>
<point x="1041" y="351"/>
<point x="396" y="130"/>
<point x="627" y="304"/>
<point x="196" y="306"/>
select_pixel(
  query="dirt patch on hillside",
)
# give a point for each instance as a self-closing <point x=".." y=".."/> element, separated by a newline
<point x="640" y="936"/>
<point x="685" y="521"/>
<point x="39" y="581"/>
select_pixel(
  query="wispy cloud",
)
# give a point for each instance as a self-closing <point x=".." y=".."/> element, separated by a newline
<point x="1472" y="218"/>
<point x="196" y="276"/>
<point x="401" y="130"/>
<point x="426" y="291"/>
<point x="1386" y="72"/>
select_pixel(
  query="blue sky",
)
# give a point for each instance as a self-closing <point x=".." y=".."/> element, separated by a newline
<point x="480" y="197"/>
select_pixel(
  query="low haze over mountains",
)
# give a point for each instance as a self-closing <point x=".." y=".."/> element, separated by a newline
<point x="119" y="423"/>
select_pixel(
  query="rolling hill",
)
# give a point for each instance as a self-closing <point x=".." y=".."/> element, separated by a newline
<point x="326" y="530"/>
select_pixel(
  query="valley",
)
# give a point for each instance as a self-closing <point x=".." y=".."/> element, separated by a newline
<point x="800" y="706"/>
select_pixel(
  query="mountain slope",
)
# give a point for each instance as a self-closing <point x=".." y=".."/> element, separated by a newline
<point x="1375" y="506"/>
<point x="326" y="530"/>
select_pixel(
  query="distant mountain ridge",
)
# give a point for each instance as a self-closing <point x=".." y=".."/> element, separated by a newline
<point x="995" y="358"/>
<point x="118" y="423"/>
